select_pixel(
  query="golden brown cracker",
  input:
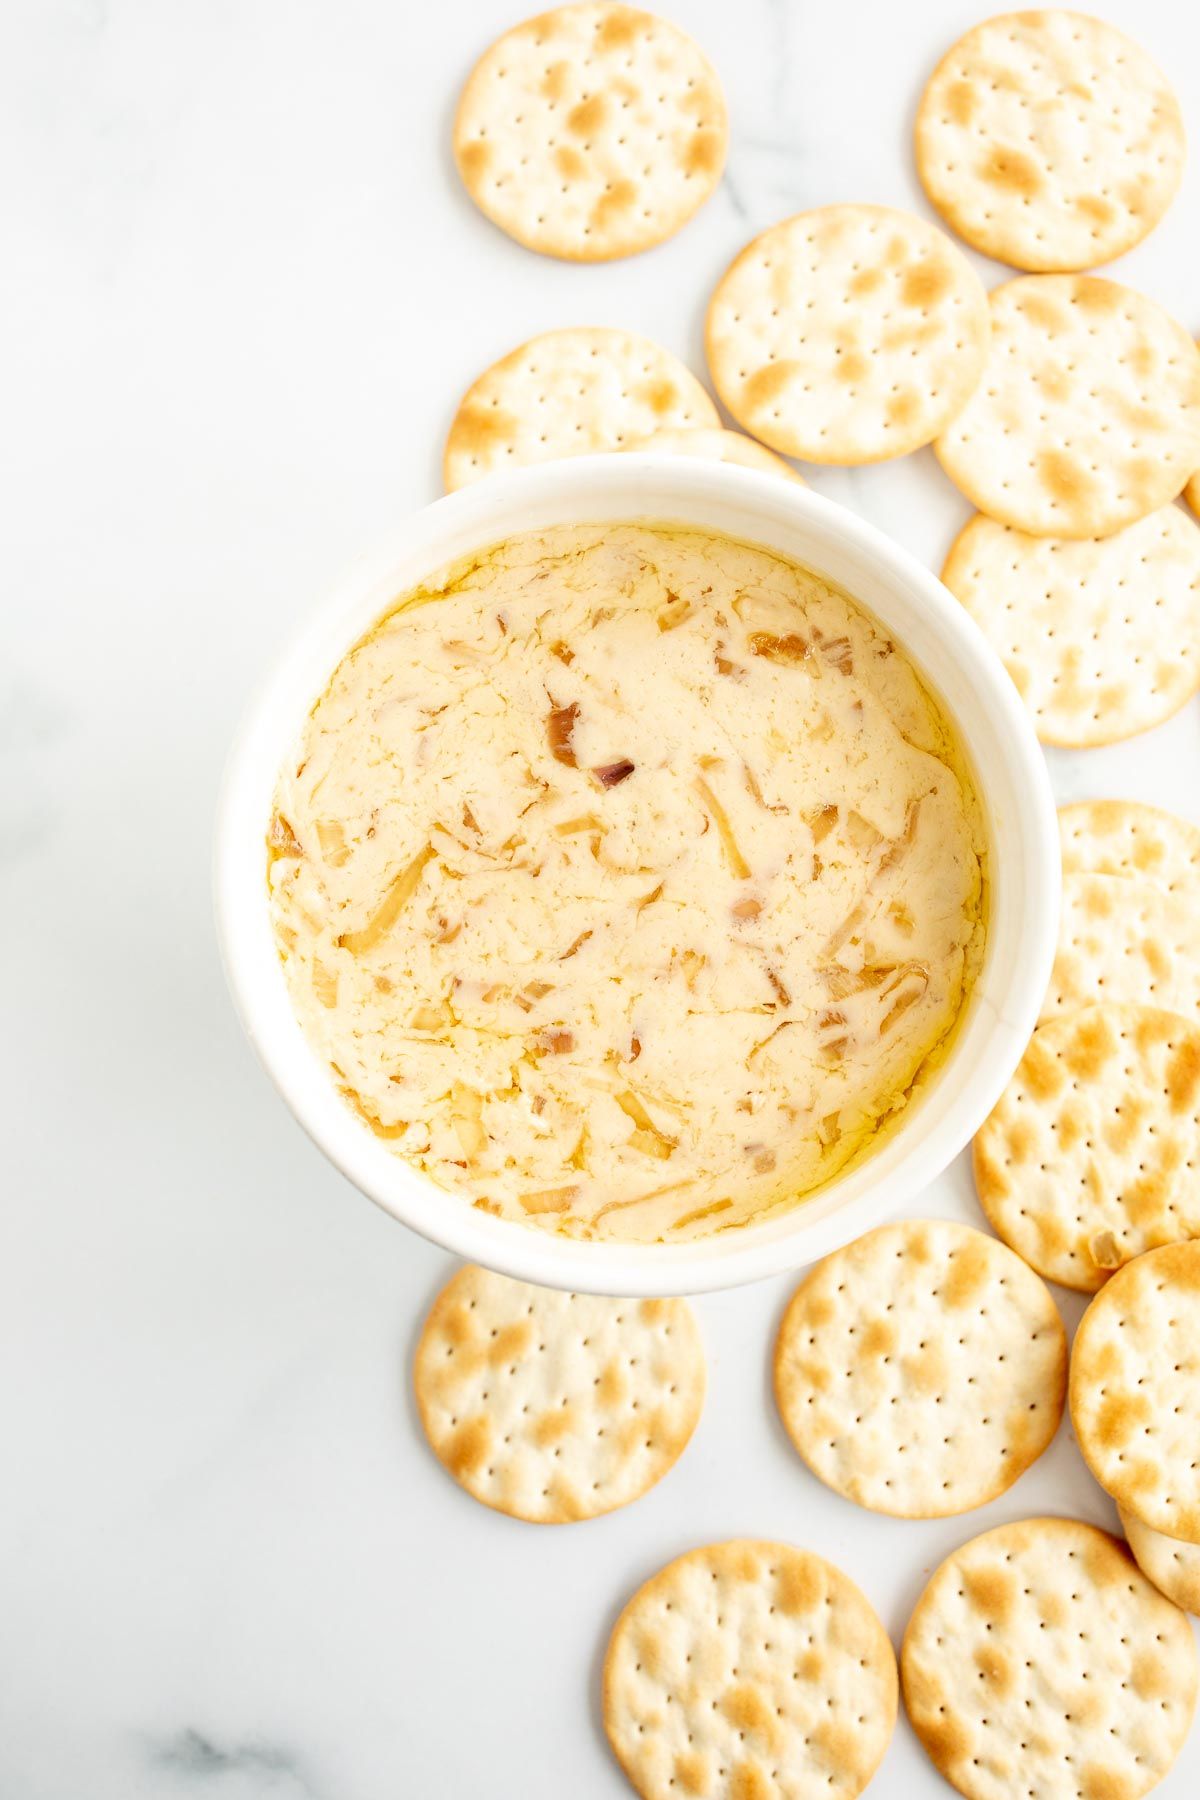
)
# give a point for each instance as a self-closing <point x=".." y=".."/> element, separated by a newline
<point x="1039" y="1660"/>
<point x="567" y="393"/>
<point x="749" y="1671"/>
<point x="1124" y="942"/>
<point x="1087" y="414"/>
<point x="591" y="132"/>
<point x="848" y="334"/>
<point x="1101" y="636"/>
<point x="921" y="1370"/>
<point x="1049" y="140"/>
<point x="1135" y="1389"/>
<point x="1129" y="838"/>
<point x="1172" y="1565"/>
<point x="552" y="1406"/>
<point x="1085" y="1161"/>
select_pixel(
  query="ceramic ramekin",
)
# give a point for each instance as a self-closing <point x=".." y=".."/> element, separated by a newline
<point x="956" y="661"/>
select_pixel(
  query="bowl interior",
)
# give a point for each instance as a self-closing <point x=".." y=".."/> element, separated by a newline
<point x="952" y="656"/>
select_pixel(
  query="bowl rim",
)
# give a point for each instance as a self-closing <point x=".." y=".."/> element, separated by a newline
<point x="641" y="486"/>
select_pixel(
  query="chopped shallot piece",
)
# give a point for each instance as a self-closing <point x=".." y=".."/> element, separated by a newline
<point x="647" y="1138"/>
<point x="838" y="653"/>
<point x="841" y="982"/>
<point x="900" y="846"/>
<point x="402" y="888"/>
<point x="650" y="1143"/>
<point x="790" y="649"/>
<point x="372" y="1118"/>
<point x="468" y="1120"/>
<point x="675" y="612"/>
<point x="906" y="996"/>
<point x="281" y="839"/>
<point x="752" y="1059"/>
<point x="563" y="651"/>
<point x="611" y="1206"/>
<point x="781" y="993"/>
<point x="756" y="792"/>
<point x="548" y="1200"/>
<point x="692" y="962"/>
<point x="612" y="773"/>
<point x="746" y="909"/>
<point x="332" y="840"/>
<point x="846" y="929"/>
<point x="555" y="1041"/>
<point x="861" y="832"/>
<point x="325" y="983"/>
<point x="559" y="726"/>
<point x="738" y="865"/>
<point x="821" y="822"/>
<point x="701" y="1212"/>
<point x="828" y="1129"/>
<point x="902" y="918"/>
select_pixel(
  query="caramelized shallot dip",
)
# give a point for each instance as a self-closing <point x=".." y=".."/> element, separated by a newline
<point x="628" y="880"/>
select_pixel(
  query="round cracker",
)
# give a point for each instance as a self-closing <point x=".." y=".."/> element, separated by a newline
<point x="848" y="334"/>
<point x="1172" y="1565"/>
<point x="551" y="1406"/>
<point x="567" y="393"/>
<point x="1049" y="140"/>
<point x="1087" y="415"/>
<point x="719" y="446"/>
<point x="1134" y="1389"/>
<point x="1124" y="942"/>
<point x="1101" y="636"/>
<point x="591" y="132"/>
<point x="921" y="1370"/>
<point x="749" y="1670"/>
<point x="1128" y="838"/>
<point x="1085" y="1160"/>
<point x="1039" y="1660"/>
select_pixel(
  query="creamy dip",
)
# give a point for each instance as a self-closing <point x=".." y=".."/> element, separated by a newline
<point x="628" y="880"/>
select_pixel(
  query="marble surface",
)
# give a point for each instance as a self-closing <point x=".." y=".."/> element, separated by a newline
<point x="241" y="293"/>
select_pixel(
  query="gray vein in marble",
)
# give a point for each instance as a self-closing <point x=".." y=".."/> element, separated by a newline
<point x="200" y="1759"/>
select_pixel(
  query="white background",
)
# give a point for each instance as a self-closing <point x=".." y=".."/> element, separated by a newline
<point x="240" y="293"/>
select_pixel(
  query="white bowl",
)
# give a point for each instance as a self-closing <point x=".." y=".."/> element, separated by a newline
<point x="944" y="644"/>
